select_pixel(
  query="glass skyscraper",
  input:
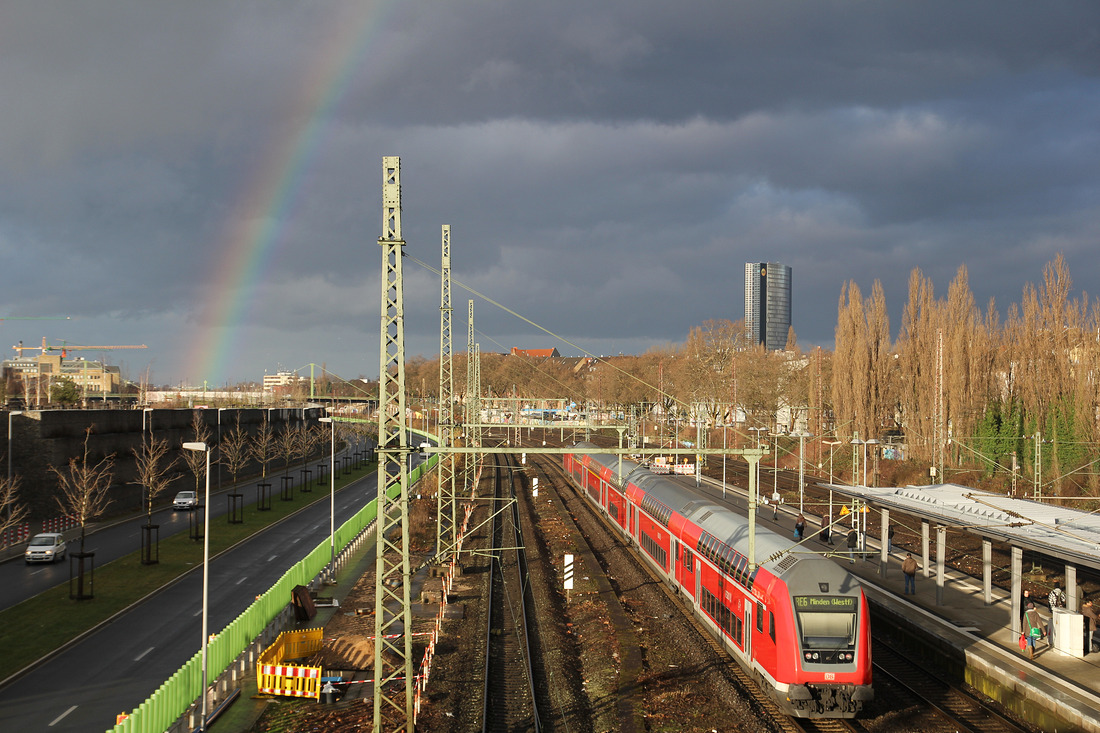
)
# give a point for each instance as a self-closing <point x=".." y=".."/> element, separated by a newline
<point x="768" y="303"/>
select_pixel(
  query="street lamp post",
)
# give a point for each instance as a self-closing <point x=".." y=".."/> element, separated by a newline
<point x="220" y="449"/>
<point x="332" y="498"/>
<point x="757" y="432"/>
<point x="723" y="460"/>
<point x="856" y="442"/>
<point x="831" y="444"/>
<point x="205" y="571"/>
<point x="11" y="414"/>
<point x="802" y="435"/>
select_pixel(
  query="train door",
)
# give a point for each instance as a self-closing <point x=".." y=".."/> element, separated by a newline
<point x="674" y="554"/>
<point x="698" y="580"/>
<point x="748" y="628"/>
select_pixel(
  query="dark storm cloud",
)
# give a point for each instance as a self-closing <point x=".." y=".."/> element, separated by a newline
<point x="607" y="169"/>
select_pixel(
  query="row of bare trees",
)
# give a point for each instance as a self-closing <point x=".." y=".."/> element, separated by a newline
<point x="961" y="382"/>
<point x="963" y="386"/>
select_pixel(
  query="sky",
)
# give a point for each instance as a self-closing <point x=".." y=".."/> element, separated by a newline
<point x="205" y="178"/>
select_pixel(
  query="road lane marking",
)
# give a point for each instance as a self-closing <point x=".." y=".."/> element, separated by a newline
<point x="272" y="558"/>
<point x="139" y="656"/>
<point x="244" y="578"/>
<point x="57" y="720"/>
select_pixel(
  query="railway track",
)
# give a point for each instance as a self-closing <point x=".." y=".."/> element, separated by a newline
<point x="509" y="697"/>
<point x="763" y="706"/>
<point x="960" y="710"/>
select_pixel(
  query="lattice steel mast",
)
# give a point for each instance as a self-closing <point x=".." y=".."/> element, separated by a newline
<point x="392" y="612"/>
<point x="446" y="525"/>
<point x="472" y="415"/>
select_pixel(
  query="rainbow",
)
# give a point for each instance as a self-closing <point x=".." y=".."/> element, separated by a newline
<point x="250" y="237"/>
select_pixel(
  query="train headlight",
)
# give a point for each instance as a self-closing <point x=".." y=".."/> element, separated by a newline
<point x="815" y="656"/>
<point x="809" y="656"/>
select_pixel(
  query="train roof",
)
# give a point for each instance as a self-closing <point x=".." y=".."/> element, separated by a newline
<point x="774" y="551"/>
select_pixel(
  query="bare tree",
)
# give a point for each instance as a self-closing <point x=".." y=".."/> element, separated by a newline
<point x="84" y="486"/>
<point x="234" y="449"/>
<point x="12" y="511"/>
<point x="262" y="446"/>
<point x="287" y="444"/>
<point x="151" y="470"/>
<point x="196" y="460"/>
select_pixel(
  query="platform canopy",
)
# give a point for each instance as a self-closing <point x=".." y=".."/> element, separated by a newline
<point x="1069" y="534"/>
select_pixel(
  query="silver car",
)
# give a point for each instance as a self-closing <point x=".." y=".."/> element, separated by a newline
<point x="185" y="500"/>
<point x="45" y="547"/>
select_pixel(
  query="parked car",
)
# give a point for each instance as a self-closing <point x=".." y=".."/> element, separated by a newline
<point x="45" y="547"/>
<point x="185" y="500"/>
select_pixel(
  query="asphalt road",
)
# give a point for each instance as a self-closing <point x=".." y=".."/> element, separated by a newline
<point x="19" y="581"/>
<point x="117" y="667"/>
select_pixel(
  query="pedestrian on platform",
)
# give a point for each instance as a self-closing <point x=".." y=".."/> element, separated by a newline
<point x="825" y="522"/>
<point x="890" y="540"/>
<point x="1025" y="598"/>
<point x="1034" y="628"/>
<point x="909" y="570"/>
<point x="799" y="526"/>
<point x="775" y="505"/>
<point x="1057" y="597"/>
<point x="1092" y="628"/>
<point x="853" y="542"/>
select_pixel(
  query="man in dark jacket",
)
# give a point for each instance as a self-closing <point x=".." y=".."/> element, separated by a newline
<point x="853" y="542"/>
<point x="1092" y="627"/>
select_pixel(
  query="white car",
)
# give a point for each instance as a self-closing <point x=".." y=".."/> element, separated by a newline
<point x="45" y="547"/>
<point x="185" y="500"/>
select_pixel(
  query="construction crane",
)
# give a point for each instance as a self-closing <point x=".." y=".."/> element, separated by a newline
<point x="34" y="318"/>
<point x="65" y="348"/>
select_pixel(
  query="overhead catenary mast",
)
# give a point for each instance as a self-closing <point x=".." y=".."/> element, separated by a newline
<point x="392" y="611"/>
<point x="445" y="526"/>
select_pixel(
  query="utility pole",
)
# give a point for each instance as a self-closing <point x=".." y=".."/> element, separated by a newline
<point x="445" y="526"/>
<point x="392" y="611"/>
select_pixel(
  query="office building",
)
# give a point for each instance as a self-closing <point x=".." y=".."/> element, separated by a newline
<point x="768" y="303"/>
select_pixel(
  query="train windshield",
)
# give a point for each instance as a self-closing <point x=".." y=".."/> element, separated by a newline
<point x="827" y="622"/>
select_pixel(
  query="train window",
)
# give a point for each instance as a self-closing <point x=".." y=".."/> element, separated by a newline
<point x="826" y="622"/>
<point x="771" y="625"/>
<point x="760" y="617"/>
<point x="686" y="558"/>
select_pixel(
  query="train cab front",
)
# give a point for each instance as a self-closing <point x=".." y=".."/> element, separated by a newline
<point x="834" y="657"/>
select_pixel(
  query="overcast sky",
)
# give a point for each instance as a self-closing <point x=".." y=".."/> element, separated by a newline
<point x="206" y="177"/>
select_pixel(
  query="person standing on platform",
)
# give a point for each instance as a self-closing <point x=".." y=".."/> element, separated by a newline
<point x="1057" y="597"/>
<point x="890" y="540"/>
<point x="909" y="570"/>
<point x="799" y="526"/>
<point x="825" y="528"/>
<point x="1034" y="628"/>
<point x="1092" y="629"/>
<point x="775" y="505"/>
<point x="1025" y="598"/>
<point x="853" y="542"/>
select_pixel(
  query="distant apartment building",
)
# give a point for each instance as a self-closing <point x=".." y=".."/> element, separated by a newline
<point x="768" y="303"/>
<point x="280" y="381"/>
<point x="38" y="373"/>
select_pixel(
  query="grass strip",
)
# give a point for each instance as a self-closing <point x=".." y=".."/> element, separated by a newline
<point x="32" y="629"/>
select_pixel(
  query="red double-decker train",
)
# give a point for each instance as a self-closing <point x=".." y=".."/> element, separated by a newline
<point x="798" y="622"/>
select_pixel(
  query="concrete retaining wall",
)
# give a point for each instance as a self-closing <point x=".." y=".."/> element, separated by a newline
<point x="44" y="439"/>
